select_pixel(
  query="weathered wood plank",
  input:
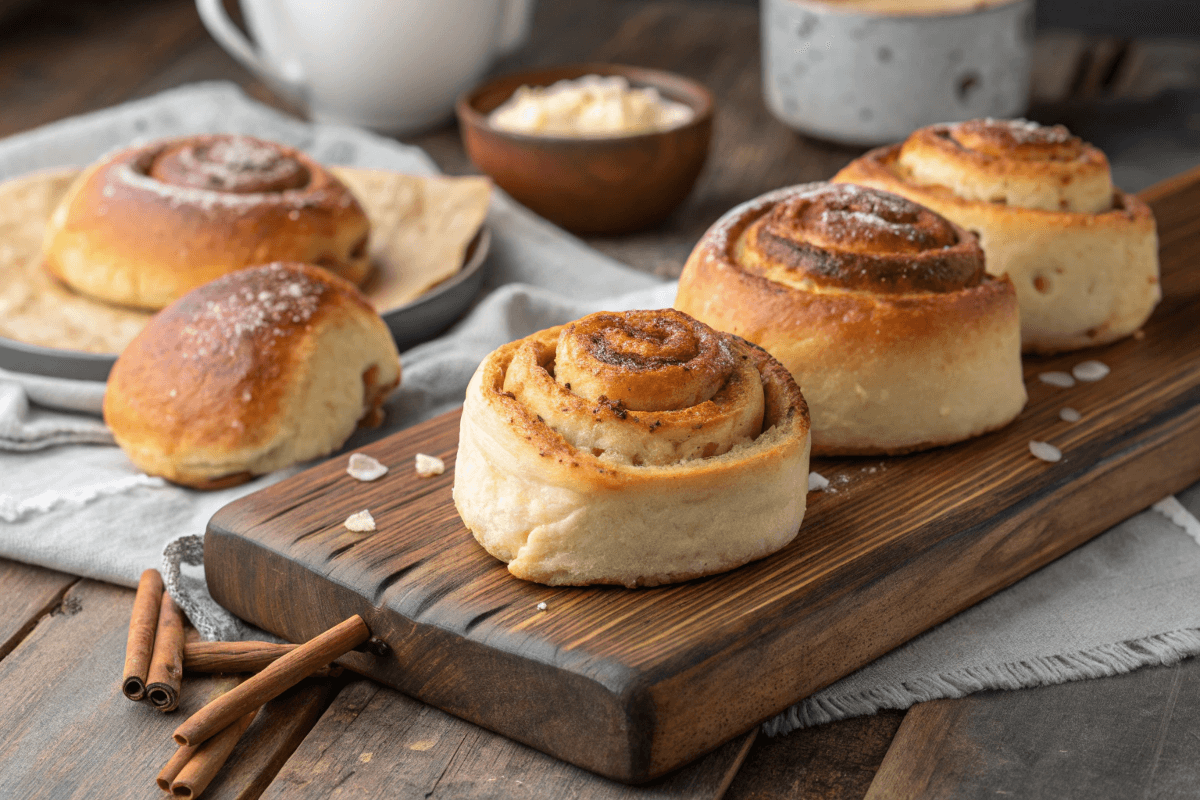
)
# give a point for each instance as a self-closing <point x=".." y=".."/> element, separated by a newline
<point x="29" y="593"/>
<point x="1056" y="65"/>
<point x="125" y="41"/>
<point x="1134" y="735"/>
<point x="66" y="729"/>
<point x="836" y="761"/>
<point x="375" y="742"/>
<point x="1100" y="65"/>
<point x="1157" y="65"/>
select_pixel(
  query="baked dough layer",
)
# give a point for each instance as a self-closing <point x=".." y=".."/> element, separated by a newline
<point x="148" y="224"/>
<point x="1082" y="255"/>
<point x="887" y="364"/>
<point x="253" y="372"/>
<point x="605" y="493"/>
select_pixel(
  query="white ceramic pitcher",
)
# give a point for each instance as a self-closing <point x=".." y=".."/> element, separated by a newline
<point x="391" y="65"/>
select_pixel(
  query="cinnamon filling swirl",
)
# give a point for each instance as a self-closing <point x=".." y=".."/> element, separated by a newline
<point x="237" y="164"/>
<point x="852" y="238"/>
<point x="1019" y="138"/>
<point x="640" y="388"/>
<point x="1011" y="162"/>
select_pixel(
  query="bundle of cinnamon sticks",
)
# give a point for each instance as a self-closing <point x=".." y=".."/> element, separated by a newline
<point x="154" y="649"/>
<point x="158" y="653"/>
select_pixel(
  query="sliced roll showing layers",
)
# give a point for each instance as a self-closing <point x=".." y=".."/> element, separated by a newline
<point x="880" y="308"/>
<point x="638" y="448"/>
<point x="1082" y="254"/>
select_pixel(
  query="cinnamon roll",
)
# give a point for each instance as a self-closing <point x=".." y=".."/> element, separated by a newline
<point x="637" y="449"/>
<point x="254" y="371"/>
<point x="1082" y="254"/>
<point x="880" y="308"/>
<point x="148" y="224"/>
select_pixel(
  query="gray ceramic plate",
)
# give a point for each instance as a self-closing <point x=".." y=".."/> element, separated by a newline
<point x="410" y="323"/>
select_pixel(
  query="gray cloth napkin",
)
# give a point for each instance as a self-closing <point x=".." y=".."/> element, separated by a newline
<point x="1128" y="598"/>
<point x="23" y="428"/>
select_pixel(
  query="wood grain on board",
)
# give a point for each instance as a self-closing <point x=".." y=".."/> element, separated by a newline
<point x="67" y="728"/>
<point x="634" y="683"/>
<point x="833" y="761"/>
<point x="375" y="742"/>
<point x="28" y="593"/>
<point x="1135" y="735"/>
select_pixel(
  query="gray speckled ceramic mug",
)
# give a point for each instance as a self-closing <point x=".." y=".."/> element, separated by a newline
<point x="868" y="78"/>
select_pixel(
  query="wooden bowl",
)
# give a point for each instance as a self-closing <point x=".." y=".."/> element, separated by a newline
<point x="595" y="184"/>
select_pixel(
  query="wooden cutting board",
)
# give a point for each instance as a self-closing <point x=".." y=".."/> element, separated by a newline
<point x="633" y="683"/>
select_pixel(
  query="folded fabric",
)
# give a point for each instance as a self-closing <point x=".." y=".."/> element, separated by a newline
<point x="23" y="428"/>
<point x="1129" y="598"/>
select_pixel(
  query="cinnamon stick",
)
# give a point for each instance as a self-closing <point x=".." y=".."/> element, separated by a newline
<point x="166" y="665"/>
<point x="191" y="769"/>
<point x="273" y="681"/>
<point x="140" y="643"/>
<point x="240" y="657"/>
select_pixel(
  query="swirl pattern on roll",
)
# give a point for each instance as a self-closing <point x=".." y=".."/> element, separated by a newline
<point x="238" y="164"/>
<point x="644" y="387"/>
<point x="880" y="308"/>
<point x="148" y="224"/>
<point x="646" y="421"/>
<point x="1014" y="162"/>
<point x="838" y="236"/>
<point x="1081" y="253"/>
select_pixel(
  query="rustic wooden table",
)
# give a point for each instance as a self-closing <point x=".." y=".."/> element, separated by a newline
<point x="66" y="731"/>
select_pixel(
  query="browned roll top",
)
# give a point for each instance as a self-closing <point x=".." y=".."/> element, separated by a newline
<point x="1018" y="139"/>
<point x="840" y="236"/>
<point x="645" y="387"/>
<point x="1011" y="162"/>
<point x="237" y="164"/>
<point x="243" y="330"/>
<point x="148" y="224"/>
<point x="644" y="360"/>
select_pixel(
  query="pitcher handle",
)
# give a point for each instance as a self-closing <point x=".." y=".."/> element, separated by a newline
<point x="515" y="19"/>
<point x="221" y="27"/>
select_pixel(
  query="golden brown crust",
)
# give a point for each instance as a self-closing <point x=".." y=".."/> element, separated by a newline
<point x="210" y="390"/>
<point x="1082" y="254"/>
<point x="870" y="363"/>
<point x="573" y="488"/>
<point x="643" y="360"/>
<point x="841" y="236"/>
<point x="148" y="224"/>
<point x="1016" y="162"/>
<point x="515" y="398"/>
<point x="879" y="169"/>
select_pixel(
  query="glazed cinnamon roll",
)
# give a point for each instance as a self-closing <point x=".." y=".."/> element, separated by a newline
<point x="1082" y="254"/>
<point x="638" y="449"/>
<point x="148" y="224"/>
<point x="880" y="308"/>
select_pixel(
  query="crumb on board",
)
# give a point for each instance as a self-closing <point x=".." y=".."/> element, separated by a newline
<point x="817" y="482"/>
<point x="360" y="522"/>
<point x="428" y="466"/>
<point x="1062" y="380"/>
<point x="364" y="468"/>
<point x="541" y="606"/>
<point x="1089" y="371"/>
<point x="1045" y="451"/>
<point x="1069" y="415"/>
